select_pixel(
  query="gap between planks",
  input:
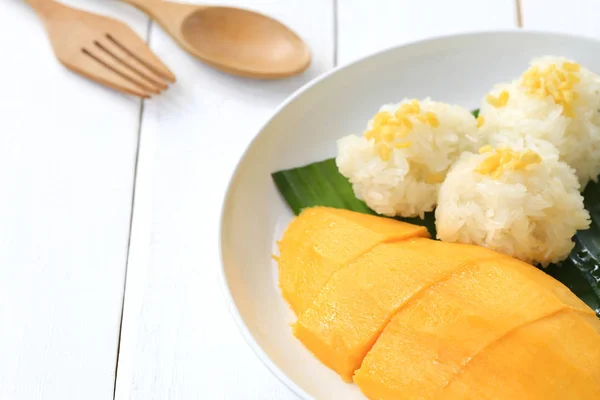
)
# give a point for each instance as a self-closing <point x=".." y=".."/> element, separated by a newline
<point x="135" y="173"/>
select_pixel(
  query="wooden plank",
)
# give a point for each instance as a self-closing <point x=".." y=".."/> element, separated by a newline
<point x="67" y="151"/>
<point x="578" y="17"/>
<point x="365" y="27"/>
<point x="179" y="340"/>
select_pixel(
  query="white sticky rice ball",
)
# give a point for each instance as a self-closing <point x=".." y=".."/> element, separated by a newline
<point x="397" y="166"/>
<point x="556" y="100"/>
<point x="515" y="202"/>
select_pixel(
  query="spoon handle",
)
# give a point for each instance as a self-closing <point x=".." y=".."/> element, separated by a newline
<point x="170" y="15"/>
<point x="145" y="6"/>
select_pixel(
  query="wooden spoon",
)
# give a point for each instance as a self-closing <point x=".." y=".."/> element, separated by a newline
<point x="234" y="40"/>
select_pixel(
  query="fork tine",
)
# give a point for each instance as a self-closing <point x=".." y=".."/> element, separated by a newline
<point x="92" y="69"/>
<point x="117" y="68"/>
<point x="132" y="64"/>
<point x="128" y="41"/>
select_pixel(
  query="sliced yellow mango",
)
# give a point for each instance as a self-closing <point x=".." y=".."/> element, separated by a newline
<point x="411" y="318"/>
<point x="321" y="240"/>
<point x="428" y="342"/>
<point x="351" y="310"/>
<point x="555" y="358"/>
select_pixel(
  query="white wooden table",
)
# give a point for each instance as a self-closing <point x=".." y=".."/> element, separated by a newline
<point x="109" y="282"/>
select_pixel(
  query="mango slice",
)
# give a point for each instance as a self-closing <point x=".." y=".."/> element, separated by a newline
<point x="351" y="310"/>
<point x="554" y="358"/>
<point x="321" y="240"/>
<point x="429" y="342"/>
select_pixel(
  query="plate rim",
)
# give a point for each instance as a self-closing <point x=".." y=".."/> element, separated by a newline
<point x="233" y="310"/>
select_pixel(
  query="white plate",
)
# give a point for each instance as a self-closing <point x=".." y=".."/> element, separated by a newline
<point x="455" y="69"/>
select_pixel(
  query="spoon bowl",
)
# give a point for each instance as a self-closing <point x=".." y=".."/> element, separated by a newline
<point x="235" y="40"/>
<point x="245" y="42"/>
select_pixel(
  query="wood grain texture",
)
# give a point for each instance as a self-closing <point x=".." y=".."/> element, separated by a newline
<point x="179" y="340"/>
<point x="578" y="17"/>
<point x="67" y="149"/>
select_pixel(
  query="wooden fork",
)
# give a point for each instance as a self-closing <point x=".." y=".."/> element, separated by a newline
<point x="103" y="49"/>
